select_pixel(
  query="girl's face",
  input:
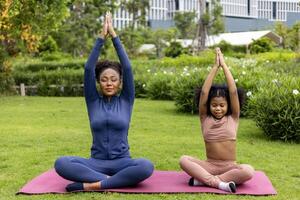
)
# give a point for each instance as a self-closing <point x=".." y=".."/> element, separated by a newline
<point x="109" y="82"/>
<point x="218" y="107"/>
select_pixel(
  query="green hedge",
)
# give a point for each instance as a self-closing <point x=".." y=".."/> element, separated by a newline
<point x="276" y="108"/>
<point x="49" y="66"/>
<point x="67" y="76"/>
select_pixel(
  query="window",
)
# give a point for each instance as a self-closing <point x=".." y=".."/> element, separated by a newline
<point x="176" y="4"/>
<point x="249" y="6"/>
<point x="207" y="6"/>
<point x="274" y="11"/>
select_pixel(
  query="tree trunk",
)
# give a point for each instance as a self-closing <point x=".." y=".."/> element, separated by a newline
<point x="201" y="28"/>
<point x="202" y="36"/>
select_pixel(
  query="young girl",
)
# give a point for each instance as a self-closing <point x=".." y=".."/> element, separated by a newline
<point x="219" y="110"/>
<point x="110" y="164"/>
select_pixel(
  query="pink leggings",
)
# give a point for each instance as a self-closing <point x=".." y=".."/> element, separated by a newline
<point x="212" y="172"/>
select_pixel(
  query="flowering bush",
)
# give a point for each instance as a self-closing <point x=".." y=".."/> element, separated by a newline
<point x="159" y="86"/>
<point x="275" y="107"/>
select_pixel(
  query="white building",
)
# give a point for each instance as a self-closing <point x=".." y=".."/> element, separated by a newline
<point x="237" y="13"/>
<point x="277" y="10"/>
<point x="240" y="8"/>
<point x="183" y="6"/>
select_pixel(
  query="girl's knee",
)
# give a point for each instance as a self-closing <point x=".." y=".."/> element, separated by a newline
<point x="248" y="171"/>
<point x="184" y="160"/>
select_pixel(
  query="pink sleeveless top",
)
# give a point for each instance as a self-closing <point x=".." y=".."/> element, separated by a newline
<point x="219" y="130"/>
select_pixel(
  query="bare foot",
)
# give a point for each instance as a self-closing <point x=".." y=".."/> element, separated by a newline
<point x="92" y="186"/>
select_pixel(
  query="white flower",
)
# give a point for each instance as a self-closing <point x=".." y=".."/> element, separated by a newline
<point x="187" y="74"/>
<point x="155" y="74"/>
<point x="267" y="61"/>
<point x="165" y="72"/>
<point x="249" y="94"/>
<point x="148" y="70"/>
<point x="236" y="80"/>
<point x="144" y="85"/>
<point x="243" y="72"/>
<point x="295" y="92"/>
<point x="275" y="81"/>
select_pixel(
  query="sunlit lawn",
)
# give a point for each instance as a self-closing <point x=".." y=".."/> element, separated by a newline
<point x="34" y="131"/>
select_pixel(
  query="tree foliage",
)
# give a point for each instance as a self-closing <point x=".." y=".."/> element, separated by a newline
<point x="24" y="22"/>
<point x="160" y="38"/>
<point x="137" y="10"/>
<point x="282" y="30"/>
<point x="290" y="36"/>
<point x="210" y="22"/>
<point x="22" y="25"/>
<point x="185" y="23"/>
<point x="132" y="37"/>
<point x="77" y="34"/>
<point x="294" y="37"/>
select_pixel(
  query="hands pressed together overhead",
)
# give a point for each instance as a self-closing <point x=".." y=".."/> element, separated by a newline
<point x="107" y="28"/>
<point x="219" y="60"/>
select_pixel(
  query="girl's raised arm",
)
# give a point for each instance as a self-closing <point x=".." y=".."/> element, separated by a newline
<point x="206" y="87"/>
<point x="233" y="93"/>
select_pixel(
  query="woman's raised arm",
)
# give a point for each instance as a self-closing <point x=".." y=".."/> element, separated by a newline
<point x="90" y="89"/>
<point x="128" y="83"/>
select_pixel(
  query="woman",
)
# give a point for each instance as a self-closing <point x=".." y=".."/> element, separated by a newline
<point x="219" y="110"/>
<point x="110" y="165"/>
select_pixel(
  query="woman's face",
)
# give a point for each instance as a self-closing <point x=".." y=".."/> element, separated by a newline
<point x="109" y="82"/>
<point x="218" y="107"/>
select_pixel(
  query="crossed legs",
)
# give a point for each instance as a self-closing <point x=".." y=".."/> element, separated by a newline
<point x="93" y="174"/>
<point x="213" y="172"/>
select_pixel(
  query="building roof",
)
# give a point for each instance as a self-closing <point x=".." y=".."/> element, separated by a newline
<point x="242" y="38"/>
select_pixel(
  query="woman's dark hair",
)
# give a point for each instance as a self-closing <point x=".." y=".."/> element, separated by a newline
<point x="106" y="64"/>
<point x="220" y="91"/>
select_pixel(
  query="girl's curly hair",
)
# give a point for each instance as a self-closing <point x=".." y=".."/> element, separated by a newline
<point x="219" y="91"/>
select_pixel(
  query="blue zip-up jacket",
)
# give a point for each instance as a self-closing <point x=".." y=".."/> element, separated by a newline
<point x="109" y="120"/>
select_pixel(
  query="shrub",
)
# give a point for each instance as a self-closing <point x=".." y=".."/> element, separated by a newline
<point x="49" y="66"/>
<point x="174" y="50"/>
<point x="54" y="56"/>
<point x="6" y="78"/>
<point x="261" y="45"/>
<point x="160" y="85"/>
<point x="57" y="77"/>
<point x="48" y="44"/>
<point x="274" y="57"/>
<point x="141" y="76"/>
<point x="275" y="107"/>
<point x="204" y="59"/>
<point x="184" y="86"/>
<point x="224" y="46"/>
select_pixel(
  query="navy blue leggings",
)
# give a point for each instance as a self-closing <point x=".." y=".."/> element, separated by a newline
<point x="114" y="173"/>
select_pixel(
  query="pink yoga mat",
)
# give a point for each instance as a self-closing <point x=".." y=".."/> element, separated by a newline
<point x="159" y="182"/>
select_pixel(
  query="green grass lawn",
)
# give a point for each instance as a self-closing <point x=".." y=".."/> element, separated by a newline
<point x="34" y="131"/>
